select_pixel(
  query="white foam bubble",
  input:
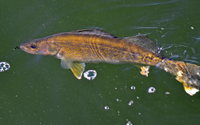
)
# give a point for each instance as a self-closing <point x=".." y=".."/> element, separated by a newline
<point x="90" y="74"/>
<point x="4" y="66"/>
<point x="128" y="123"/>
<point x="133" y="87"/>
<point x="118" y="112"/>
<point x="151" y="90"/>
<point x="106" y="108"/>
<point x="167" y="93"/>
<point x="130" y="103"/>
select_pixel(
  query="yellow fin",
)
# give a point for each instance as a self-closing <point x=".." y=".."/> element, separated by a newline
<point x="190" y="90"/>
<point x="78" y="69"/>
<point x="144" y="70"/>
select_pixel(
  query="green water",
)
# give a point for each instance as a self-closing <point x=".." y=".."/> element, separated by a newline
<point x="36" y="90"/>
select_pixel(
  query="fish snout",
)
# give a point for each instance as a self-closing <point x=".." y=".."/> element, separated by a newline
<point x="28" y="48"/>
<point x="34" y="48"/>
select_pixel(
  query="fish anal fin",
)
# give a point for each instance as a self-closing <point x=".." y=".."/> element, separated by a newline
<point x="144" y="70"/>
<point x="143" y="41"/>
<point x="78" y="69"/>
<point x="92" y="32"/>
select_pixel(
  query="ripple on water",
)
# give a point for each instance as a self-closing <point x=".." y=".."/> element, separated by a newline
<point x="181" y="52"/>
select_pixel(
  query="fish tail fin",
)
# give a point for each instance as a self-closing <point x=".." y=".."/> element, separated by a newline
<point x="186" y="73"/>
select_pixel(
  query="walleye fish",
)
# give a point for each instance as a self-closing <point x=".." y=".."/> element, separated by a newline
<point x="90" y="45"/>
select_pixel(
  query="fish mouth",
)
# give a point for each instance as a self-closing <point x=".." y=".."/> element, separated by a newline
<point x="39" y="51"/>
<point x="26" y="49"/>
<point x="22" y="47"/>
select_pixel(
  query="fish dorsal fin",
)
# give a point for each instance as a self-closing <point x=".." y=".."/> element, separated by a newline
<point x="93" y="32"/>
<point x="78" y="69"/>
<point x="143" y="41"/>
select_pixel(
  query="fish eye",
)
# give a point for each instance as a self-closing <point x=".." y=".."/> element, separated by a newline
<point x="33" y="46"/>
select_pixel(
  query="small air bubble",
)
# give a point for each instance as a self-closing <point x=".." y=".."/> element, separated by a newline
<point x="133" y="87"/>
<point x="128" y="123"/>
<point x="167" y="93"/>
<point x="106" y="108"/>
<point x="118" y="112"/>
<point x="130" y="103"/>
<point x="90" y="74"/>
<point x="184" y="52"/>
<point x="151" y="90"/>
<point x="192" y="28"/>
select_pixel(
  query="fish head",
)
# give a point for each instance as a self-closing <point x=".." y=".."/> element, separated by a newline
<point x="37" y="46"/>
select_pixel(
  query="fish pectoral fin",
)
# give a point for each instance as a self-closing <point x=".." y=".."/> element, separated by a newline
<point x="78" y="69"/>
<point x="144" y="70"/>
<point x="66" y="63"/>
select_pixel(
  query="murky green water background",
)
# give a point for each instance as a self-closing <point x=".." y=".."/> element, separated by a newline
<point x="36" y="90"/>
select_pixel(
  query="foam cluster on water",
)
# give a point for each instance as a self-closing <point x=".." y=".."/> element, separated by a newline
<point x="90" y="74"/>
<point x="130" y="103"/>
<point x="128" y="123"/>
<point x="4" y="66"/>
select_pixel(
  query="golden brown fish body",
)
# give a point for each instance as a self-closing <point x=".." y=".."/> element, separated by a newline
<point x="91" y="48"/>
<point x="76" y="48"/>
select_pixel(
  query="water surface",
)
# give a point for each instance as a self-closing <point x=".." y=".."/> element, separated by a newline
<point x="36" y="90"/>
